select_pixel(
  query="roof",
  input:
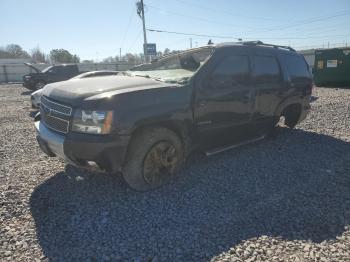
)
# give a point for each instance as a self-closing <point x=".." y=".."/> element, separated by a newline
<point x="255" y="44"/>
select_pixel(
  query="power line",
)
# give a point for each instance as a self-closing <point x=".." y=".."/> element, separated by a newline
<point x="189" y="34"/>
<point x="133" y="43"/>
<point x="228" y="13"/>
<point x="238" y="38"/>
<point x="127" y="27"/>
<point x="327" y="27"/>
<point x="299" y="23"/>
<point x="321" y="45"/>
<point x="306" y="21"/>
<point x="197" y="18"/>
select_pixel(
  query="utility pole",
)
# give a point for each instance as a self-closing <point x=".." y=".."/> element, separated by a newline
<point x="190" y="42"/>
<point x="144" y="31"/>
<point x="120" y="54"/>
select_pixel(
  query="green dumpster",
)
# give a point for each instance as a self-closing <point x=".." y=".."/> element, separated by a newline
<point x="332" y="67"/>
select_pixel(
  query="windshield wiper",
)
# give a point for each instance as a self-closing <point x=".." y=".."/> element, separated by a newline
<point x="146" y="76"/>
<point x="183" y="80"/>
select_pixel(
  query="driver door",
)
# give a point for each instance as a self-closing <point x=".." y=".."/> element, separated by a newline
<point x="225" y="99"/>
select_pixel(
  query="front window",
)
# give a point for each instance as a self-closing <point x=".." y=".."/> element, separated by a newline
<point x="178" y="68"/>
<point x="47" y="69"/>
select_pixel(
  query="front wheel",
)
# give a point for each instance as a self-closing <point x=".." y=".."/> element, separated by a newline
<point x="153" y="159"/>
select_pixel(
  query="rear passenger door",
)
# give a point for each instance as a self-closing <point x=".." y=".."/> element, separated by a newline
<point x="268" y="84"/>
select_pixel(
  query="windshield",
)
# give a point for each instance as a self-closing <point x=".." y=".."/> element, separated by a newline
<point x="177" y="68"/>
<point x="46" y="69"/>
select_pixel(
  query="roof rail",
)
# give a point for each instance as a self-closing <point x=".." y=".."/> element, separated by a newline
<point x="255" y="43"/>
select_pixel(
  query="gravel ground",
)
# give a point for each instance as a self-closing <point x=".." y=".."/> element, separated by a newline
<point x="286" y="199"/>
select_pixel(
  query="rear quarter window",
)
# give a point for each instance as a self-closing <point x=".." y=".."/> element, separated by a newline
<point x="296" y="66"/>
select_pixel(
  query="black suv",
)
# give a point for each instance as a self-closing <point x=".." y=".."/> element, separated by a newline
<point x="146" y="121"/>
<point x="51" y="74"/>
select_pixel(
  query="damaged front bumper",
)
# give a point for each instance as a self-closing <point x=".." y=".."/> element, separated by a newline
<point x="98" y="153"/>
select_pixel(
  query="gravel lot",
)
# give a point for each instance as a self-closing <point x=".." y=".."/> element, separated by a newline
<point x="286" y="199"/>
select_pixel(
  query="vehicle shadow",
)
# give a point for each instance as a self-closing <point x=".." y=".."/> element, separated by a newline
<point x="26" y="93"/>
<point x="336" y="87"/>
<point x="296" y="187"/>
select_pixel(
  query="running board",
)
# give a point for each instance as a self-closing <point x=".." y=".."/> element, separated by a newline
<point x="225" y="148"/>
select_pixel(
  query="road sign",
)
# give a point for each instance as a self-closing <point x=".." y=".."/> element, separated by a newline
<point x="151" y="49"/>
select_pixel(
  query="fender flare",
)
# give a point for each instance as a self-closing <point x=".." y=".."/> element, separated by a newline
<point x="284" y="104"/>
<point x="180" y="128"/>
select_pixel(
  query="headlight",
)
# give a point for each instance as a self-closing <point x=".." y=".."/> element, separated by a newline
<point x="27" y="77"/>
<point x="92" y="122"/>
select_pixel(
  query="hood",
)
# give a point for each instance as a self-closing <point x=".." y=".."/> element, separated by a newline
<point x="76" y="91"/>
<point x="33" y="67"/>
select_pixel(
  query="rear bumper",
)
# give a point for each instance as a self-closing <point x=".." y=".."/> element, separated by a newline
<point x="104" y="153"/>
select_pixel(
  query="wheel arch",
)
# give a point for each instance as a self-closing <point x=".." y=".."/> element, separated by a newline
<point x="286" y="104"/>
<point x="181" y="129"/>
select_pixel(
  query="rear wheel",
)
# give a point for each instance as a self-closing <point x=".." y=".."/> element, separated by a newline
<point x="291" y="115"/>
<point x="288" y="118"/>
<point x="39" y="85"/>
<point x="154" y="156"/>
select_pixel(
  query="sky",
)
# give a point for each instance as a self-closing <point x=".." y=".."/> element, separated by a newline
<point x="98" y="29"/>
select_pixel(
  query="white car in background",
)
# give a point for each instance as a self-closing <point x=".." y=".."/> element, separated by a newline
<point x="36" y="96"/>
<point x="96" y="73"/>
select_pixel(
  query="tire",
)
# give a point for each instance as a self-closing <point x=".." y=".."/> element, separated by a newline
<point x="291" y="119"/>
<point x="154" y="156"/>
<point x="39" y="85"/>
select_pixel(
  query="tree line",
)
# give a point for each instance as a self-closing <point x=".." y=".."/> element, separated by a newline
<point x="136" y="58"/>
<point x="35" y="55"/>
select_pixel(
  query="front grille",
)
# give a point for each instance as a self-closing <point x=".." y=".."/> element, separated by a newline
<point x="55" y="115"/>
<point x="65" y="110"/>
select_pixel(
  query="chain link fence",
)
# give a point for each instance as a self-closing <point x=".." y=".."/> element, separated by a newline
<point x="13" y="73"/>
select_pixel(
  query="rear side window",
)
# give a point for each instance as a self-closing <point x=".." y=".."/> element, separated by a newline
<point x="67" y="70"/>
<point x="266" y="69"/>
<point x="233" y="69"/>
<point x="296" y="66"/>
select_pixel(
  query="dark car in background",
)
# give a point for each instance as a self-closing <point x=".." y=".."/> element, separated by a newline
<point x="51" y="74"/>
<point x="96" y="74"/>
